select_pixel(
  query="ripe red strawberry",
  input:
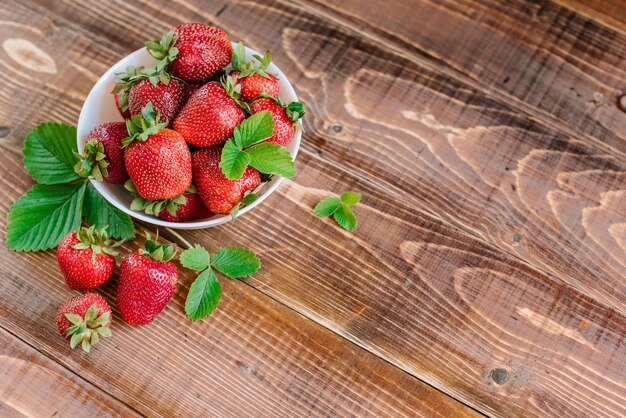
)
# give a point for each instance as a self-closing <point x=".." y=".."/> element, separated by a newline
<point x="125" y="113"/>
<point x="157" y="159"/>
<point x="192" y="210"/>
<point x="86" y="259"/>
<point x="103" y="155"/>
<point x="252" y="78"/>
<point x="84" y="319"/>
<point x="218" y="193"/>
<point x="210" y="115"/>
<point x="255" y="84"/>
<point x="137" y="87"/>
<point x="284" y="116"/>
<point x="192" y="51"/>
<point x="147" y="281"/>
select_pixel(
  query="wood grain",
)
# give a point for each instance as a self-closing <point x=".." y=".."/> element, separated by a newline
<point x="439" y="144"/>
<point x="460" y="314"/>
<point x="34" y="385"/>
<point x="548" y="60"/>
<point x="253" y="357"/>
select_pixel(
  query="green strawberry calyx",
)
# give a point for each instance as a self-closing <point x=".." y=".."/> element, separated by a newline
<point x="294" y="110"/>
<point x="126" y="80"/>
<point x="163" y="49"/>
<point x="158" y="252"/>
<point x="229" y="83"/>
<point x="92" y="162"/>
<point x="88" y="330"/>
<point x="97" y="240"/>
<point x="154" y="207"/>
<point x="140" y="127"/>
<point x="239" y="63"/>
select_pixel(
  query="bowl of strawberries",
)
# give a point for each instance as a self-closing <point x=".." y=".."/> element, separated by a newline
<point x="191" y="131"/>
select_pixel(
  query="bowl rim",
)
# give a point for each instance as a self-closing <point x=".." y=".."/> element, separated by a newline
<point x="216" y="220"/>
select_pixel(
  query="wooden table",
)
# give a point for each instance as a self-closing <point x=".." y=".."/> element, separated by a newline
<point x="488" y="272"/>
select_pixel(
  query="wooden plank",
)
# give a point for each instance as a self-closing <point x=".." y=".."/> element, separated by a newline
<point x="547" y="60"/>
<point x="533" y="191"/>
<point x="608" y="12"/>
<point x="34" y="385"/>
<point x="437" y="303"/>
<point x="253" y="357"/>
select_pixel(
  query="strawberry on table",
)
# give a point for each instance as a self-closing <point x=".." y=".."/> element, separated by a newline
<point x="103" y="155"/>
<point x="218" y="193"/>
<point x="210" y="115"/>
<point x="147" y="281"/>
<point x="137" y="87"/>
<point x="84" y="319"/>
<point x="86" y="258"/>
<point x="284" y="115"/>
<point x="157" y="159"/>
<point x="252" y="78"/>
<point x="192" y="52"/>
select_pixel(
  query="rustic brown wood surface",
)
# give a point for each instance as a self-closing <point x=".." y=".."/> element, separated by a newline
<point x="487" y="274"/>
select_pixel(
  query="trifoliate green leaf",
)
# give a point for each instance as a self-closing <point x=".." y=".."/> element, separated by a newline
<point x="327" y="206"/>
<point x="271" y="158"/>
<point x="235" y="262"/>
<point x="204" y="295"/>
<point x="44" y="215"/>
<point x="99" y="212"/>
<point x="196" y="258"/>
<point x="49" y="153"/>
<point x="350" y="198"/>
<point x="234" y="161"/>
<point x="345" y="218"/>
<point x="256" y="128"/>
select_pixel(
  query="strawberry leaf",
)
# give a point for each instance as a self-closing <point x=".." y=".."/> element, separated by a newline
<point x="49" y="153"/>
<point x="195" y="258"/>
<point x="327" y="206"/>
<point x="271" y="158"/>
<point x="99" y="212"/>
<point x="44" y="215"/>
<point x="350" y="198"/>
<point x="234" y="161"/>
<point x="204" y="295"/>
<point x="235" y="262"/>
<point x="345" y="218"/>
<point x="256" y="128"/>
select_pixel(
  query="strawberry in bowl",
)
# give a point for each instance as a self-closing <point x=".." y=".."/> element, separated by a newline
<point x="226" y="105"/>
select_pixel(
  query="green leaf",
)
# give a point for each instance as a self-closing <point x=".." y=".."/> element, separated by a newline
<point x="345" y="218"/>
<point x="235" y="262"/>
<point x="234" y="161"/>
<point x="256" y="128"/>
<point x="196" y="258"/>
<point x="44" y="215"/>
<point x="327" y="206"/>
<point x="271" y="158"/>
<point x="99" y="212"/>
<point x="204" y="295"/>
<point x="49" y="153"/>
<point x="350" y="198"/>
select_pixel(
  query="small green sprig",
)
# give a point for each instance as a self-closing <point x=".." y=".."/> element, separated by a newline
<point x="96" y="239"/>
<point x="158" y="252"/>
<point x="92" y="162"/>
<point x="245" y="148"/>
<point x="239" y="63"/>
<point x="339" y="207"/>
<point x="154" y="207"/>
<point x="140" y="127"/>
<point x="205" y="292"/>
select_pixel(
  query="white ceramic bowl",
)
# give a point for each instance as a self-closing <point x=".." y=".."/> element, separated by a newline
<point x="99" y="107"/>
